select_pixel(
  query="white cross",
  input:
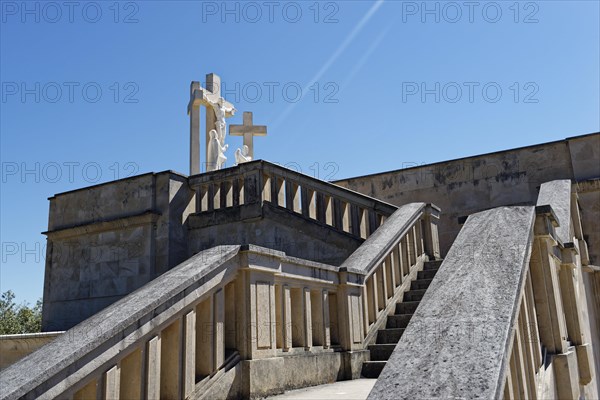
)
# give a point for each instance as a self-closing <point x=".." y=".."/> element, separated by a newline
<point x="248" y="131"/>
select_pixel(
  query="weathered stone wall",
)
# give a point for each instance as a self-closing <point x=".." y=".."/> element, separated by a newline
<point x="105" y="241"/>
<point x="272" y="227"/>
<point x="468" y="185"/>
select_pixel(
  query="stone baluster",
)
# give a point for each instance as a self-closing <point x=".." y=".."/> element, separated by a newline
<point x="397" y="265"/>
<point x="189" y="353"/>
<point x="219" y="329"/>
<point x="132" y="372"/>
<point x="326" y="322"/>
<point x="153" y="363"/>
<point x="292" y="196"/>
<point x="308" y="202"/>
<point x="112" y="380"/>
<point x="171" y="361"/>
<point x="236" y="192"/>
<point x="355" y="217"/>
<point x="277" y="192"/>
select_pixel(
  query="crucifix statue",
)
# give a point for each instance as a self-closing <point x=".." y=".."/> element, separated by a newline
<point x="248" y="131"/>
<point x="217" y="110"/>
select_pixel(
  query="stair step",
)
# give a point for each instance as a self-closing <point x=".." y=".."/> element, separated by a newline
<point x="427" y="274"/>
<point x="398" y="321"/>
<point x="420" y="284"/>
<point x="381" y="352"/>
<point x="372" y="369"/>
<point x="414" y="295"/>
<point x="389" y="336"/>
<point x="427" y="265"/>
<point x="407" y="307"/>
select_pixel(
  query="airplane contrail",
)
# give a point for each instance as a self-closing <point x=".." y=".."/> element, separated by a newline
<point x="355" y="31"/>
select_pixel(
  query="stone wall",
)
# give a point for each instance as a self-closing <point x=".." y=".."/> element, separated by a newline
<point x="107" y="240"/>
<point x="15" y="347"/>
<point x="468" y="185"/>
<point x="273" y="227"/>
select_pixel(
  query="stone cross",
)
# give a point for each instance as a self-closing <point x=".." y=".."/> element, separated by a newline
<point x="248" y="131"/>
<point x="208" y="97"/>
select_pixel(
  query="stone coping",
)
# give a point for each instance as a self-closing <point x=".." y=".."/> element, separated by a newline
<point x="85" y="228"/>
<point x="557" y="194"/>
<point x="33" y="335"/>
<point x="379" y="244"/>
<point x="168" y="171"/>
<point x="473" y="157"/>
<point x="456" y="343"/>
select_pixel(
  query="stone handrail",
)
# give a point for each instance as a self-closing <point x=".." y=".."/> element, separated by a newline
<point x="555" y="296"/>
<point x="111" y="347"/>
<point x="549" y="328"/>
<point x="455" y="343"/>
<point x="391" y="258"/>
<point x="504" y="311"/>
<point x="258" y="181"/>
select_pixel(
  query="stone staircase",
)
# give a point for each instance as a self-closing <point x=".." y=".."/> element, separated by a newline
<point x="388" y="338"/>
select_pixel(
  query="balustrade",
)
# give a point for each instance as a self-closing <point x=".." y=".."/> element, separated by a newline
<point x="260" y="181"/>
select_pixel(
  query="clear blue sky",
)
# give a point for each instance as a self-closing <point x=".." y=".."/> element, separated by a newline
<point x="361" y="66"/>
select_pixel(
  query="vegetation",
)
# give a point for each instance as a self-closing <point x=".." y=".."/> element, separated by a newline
<point x="19" y="318"/>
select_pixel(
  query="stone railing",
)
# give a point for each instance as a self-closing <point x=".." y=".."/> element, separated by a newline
<point x="258" y="181"/>
<point x="390" y="260"/>
<point x="230" y="321"/>
<point x="507" y="310"/>
<point x="551" y="325"/>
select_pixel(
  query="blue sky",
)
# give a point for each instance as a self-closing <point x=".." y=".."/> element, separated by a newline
<point x="95" y="91"/>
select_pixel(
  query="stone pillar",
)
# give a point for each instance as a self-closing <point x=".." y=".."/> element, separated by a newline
<point x="171" y="361"/>
<point x="308" y="339"/>
<point x="292" y="198"/>
<point x="404" y="257"/>
<point x="326" y="319"/>
<point x="277" y="194"/>
<point x="567" y="375"/>
<point x="112" y="380"/>
<point x="189" y="353"/>
<point x="204" y="338"/>
<point x="391" y="276"/>
<point x="316" y="315"/>
<point x="381" y="287"/>
<point x="287" y="318"/>
<point x="219" y="329"/>
<point x="396" y="265"/>
<point x="153" y="355"/>
<point x="132" y="371"/>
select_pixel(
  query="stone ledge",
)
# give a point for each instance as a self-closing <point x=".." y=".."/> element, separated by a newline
<point x="146" y="217"/>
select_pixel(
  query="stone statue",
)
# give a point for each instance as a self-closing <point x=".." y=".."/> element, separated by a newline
<point x="222" y="149"/>
<point x="221" y="110"/>
<point x="213" y="151"/>
<point x="216" y="151"/>
<point x="242" y="156"/>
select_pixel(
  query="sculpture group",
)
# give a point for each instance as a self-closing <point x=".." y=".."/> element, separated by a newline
<point x="217" y="110"/>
